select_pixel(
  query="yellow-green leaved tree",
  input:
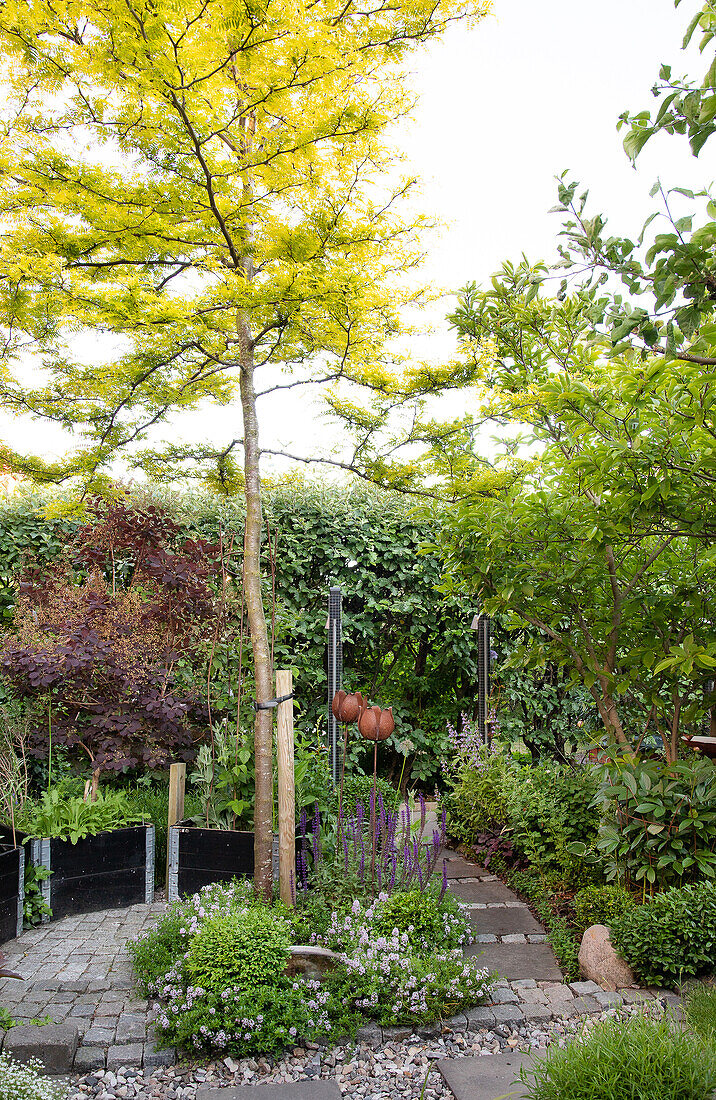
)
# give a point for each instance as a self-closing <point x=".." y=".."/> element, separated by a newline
<point x="204" y="180"/>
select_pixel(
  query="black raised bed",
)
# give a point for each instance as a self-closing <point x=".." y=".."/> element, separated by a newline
<point x="108" y="871"/>
<point x="12" y="878"/>
<point x="199" y="856"/>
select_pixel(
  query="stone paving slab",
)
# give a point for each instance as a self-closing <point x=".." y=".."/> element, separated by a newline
<point x="484" y="892"/>
<point x="457" y="867"/>
<point x="502" y="921"/>
<point x="518" y="960"/>
<point x="293" y="1090"/>
<point x="485" y="1078"/>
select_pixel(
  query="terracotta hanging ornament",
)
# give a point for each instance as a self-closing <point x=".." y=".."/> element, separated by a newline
<point x="376" y="724"/>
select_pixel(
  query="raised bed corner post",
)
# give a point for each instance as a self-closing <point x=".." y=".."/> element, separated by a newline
<point x="335" y="678"/>
<point x="177" y="787"/>
<point x="286" y="788"/>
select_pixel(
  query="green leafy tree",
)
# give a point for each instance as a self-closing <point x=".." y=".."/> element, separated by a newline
<point x="656" y="292"/>
<point x="602" y="540"/>
<point x="200" y="181"/>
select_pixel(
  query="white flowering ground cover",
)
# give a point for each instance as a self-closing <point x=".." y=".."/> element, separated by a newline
<point x="27" y="1082"/>
<point x="216" y="966"/>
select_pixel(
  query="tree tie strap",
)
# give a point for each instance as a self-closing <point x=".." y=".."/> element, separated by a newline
<point x="271" y="703"/>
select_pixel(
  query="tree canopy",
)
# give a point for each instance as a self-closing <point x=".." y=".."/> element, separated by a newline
<point x="594" y="523"/>
<point x="209" y="183"/>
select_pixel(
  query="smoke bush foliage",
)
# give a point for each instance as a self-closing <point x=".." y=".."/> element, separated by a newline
<point x="99" y="630"/>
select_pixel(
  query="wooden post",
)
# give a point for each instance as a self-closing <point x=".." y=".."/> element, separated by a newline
<point x="177" y="783"/>
<point x="286" y="790"/>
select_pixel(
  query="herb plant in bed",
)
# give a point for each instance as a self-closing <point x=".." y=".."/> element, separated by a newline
<point x="218" y="844"/>
<point x="99" y="854"/>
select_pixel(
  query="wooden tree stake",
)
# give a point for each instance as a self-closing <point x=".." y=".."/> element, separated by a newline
<point x="177" y="783"/>
<point x="286" y="790"/>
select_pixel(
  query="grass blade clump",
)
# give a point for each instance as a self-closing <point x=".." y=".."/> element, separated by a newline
<point x="700" y="1008"/>
<point x="633" y="1059"/>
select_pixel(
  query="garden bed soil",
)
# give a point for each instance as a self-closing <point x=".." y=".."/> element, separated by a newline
<point x="12" y="877"/>
<point x="108" y="871"/>
<point x="198" y="857"/>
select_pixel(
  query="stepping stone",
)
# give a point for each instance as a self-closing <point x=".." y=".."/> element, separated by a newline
<point x="492" y="1077"/>
<point x="457" y="867"/>
<point x="504" y="922"/>
<point x="518" y="960"/>
<point x="484" y="893"/>
<point x="292" y="1090"/>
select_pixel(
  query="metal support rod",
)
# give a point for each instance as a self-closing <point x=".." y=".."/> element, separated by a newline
<point x="335" y="678"/>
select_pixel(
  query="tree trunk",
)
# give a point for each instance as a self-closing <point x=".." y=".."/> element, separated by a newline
<point x="263" y="725"/>
<point x="609" y="715"/>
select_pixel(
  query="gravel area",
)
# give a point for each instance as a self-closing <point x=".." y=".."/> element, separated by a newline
<point x="396" y="1070"/>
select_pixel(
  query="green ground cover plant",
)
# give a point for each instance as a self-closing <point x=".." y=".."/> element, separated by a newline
<point x="216" y="962"/>
<point x="637" y="1058"/>
<point x="551" y="807"/>
<point x="542" y="810"/>
<point x="670" y="938"/>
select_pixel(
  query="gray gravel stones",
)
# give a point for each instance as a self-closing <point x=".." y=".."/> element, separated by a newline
<point x="313" y="1090"/>
<point x="394" y="1070"/>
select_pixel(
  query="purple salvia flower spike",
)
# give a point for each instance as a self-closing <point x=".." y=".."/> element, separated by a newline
<point x="445" y="881"/>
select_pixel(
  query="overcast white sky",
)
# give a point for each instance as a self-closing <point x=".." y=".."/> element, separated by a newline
<point x="529" y="92"/>
<point x="505" y="106"/>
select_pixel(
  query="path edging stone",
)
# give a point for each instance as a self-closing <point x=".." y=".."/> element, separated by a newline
<point x="53" y="1045"/>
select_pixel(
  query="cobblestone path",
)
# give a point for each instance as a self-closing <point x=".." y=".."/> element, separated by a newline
<point x="76" y="971"/>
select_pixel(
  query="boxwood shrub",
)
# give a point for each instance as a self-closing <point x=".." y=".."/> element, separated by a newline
<point x="671" y="937"/>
